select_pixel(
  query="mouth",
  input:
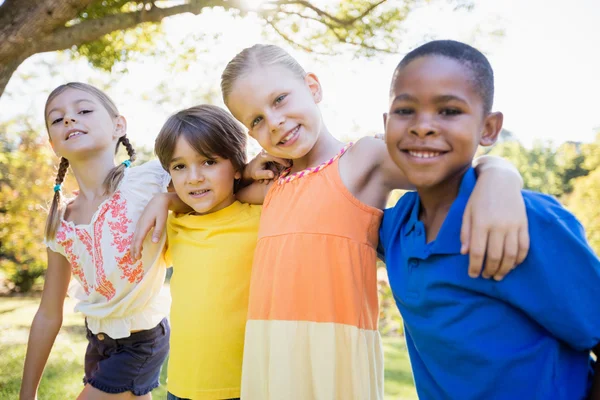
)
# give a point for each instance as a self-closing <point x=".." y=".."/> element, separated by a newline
<point x="199" y="193"/>
<point x="74" y="133"/>
<point x="290" y="137"/>
<point x="424" y="154"/>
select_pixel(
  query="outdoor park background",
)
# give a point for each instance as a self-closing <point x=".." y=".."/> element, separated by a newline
<point x="547" y="84"/>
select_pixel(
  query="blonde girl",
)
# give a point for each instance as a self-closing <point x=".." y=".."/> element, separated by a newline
<point x="88" y="238"/>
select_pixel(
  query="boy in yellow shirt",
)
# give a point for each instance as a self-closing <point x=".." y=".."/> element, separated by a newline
<point x="211" y="249"/>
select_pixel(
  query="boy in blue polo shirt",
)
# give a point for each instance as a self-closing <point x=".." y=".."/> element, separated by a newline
<point x="526" y="337"/>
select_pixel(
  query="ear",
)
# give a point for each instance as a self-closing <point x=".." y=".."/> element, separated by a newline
<point x="314" y="86"/>
<point x="238" y="175"/>
<point x="491" y="128"/>
<point x="120" y="127"/>
<point x="385" y="115"/>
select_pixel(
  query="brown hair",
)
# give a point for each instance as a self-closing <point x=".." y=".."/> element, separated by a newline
<point x="115" y="175"/>
<point x="210" y="130"/>
<point x="259" y="55"/>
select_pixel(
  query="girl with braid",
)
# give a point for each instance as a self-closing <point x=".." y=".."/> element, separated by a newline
<point x="88" y="237"/>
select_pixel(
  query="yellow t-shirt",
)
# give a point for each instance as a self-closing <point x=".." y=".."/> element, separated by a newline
<point x="212" y="259"/>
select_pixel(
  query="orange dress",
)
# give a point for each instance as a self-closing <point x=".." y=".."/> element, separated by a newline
<point x="313" y="308"/>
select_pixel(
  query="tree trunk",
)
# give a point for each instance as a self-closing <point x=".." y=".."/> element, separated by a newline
<point x="7" y="69"/>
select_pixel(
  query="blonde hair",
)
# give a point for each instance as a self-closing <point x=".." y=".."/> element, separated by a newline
<point x="259" y="55"/>
<point x="115" y="175"/>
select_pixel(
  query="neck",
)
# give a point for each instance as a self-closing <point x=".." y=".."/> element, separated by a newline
<point x="90" y="173"/>
<point x="325" y="148"/>
<point x="436" y="202"/>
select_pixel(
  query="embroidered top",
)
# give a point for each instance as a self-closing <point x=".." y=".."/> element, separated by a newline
<point x="116" y="293"/>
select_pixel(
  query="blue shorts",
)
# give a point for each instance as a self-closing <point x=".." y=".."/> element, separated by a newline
<point x="130" y="364"/>
<point x="171" y="396"/>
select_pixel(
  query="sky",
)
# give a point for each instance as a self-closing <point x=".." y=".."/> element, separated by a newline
<point x="544" y="54"/>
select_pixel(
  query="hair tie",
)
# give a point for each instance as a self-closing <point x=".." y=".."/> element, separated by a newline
<point x="127" y="163"/>
<point x="56" y="188"/>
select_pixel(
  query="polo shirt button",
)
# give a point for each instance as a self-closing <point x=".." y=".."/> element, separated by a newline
<point x="100" y="336"/>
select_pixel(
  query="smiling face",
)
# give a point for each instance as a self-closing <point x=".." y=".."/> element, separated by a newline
<point x="279" y="109"/>
<point x="78" y="123"/>
<point x="205" y="184"/>
<point x="436" y="120"/>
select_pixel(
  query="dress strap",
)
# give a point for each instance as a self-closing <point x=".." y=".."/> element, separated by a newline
<point x="286" y="177"/>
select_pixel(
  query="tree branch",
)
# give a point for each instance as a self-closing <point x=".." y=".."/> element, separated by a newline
<point x="89" y="30"/>
<point x="325" y="14"/>
<point x="21" y="22"/>
<point x="293" y="42"/>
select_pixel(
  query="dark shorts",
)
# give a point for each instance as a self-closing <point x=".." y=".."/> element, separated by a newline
<point x="130" y="364"/>
<point x="171" y="396"/>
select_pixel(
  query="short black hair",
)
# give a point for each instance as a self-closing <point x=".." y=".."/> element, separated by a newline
<point x="483" y="74"/>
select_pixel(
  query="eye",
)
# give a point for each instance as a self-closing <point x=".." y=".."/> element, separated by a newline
<point x="85" y="111"/>
<point x="403" y="111"/>
<point x="255" y="122"/>
<point x="57" y="120"/>
<point x="210" y="162"/>
<point x="450" y="112"/>
<point x="279" y="99"/>
<point x="177" y="167"/>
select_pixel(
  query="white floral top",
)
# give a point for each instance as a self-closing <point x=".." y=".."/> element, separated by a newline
<point x="117" y="294"/>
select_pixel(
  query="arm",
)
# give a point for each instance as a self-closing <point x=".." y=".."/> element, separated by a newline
<point x="501" y="236"/>
<point x="258" y="176"/>
<point x="46" y="323"/>
<point x="154" y="217"/>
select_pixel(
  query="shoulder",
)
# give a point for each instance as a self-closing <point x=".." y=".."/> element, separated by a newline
<point x="545" y="211"/>
<point x="369" y="150"/>
<point x="395" y="217"/>
<point x="148" y="173"/>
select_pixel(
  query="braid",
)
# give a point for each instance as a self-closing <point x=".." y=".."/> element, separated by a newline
<point x="54" y="214"/>
<point x="130" y="150"/>
<point x="116" y="174"/>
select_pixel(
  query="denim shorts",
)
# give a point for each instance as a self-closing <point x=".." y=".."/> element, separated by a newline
<point x="130" y="364"/>
<point x="171" y="396"/>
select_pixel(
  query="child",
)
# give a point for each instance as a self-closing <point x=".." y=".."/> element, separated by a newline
<point x="211" y="248"/>
<point x="527" y="337"/>
<point x="121" y="298"/>
<point x="313" y="308"/>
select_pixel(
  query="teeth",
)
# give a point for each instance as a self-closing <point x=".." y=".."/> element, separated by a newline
<point x="73" y="134"/>
<point x="289" y="136"/>
<point x="199" y="192"/>
<point x="424" y="154"/>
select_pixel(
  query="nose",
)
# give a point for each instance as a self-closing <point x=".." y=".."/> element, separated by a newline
<point x="68" y="120"/>
<point x="275" y="121"/>
<point x="423" y="126"/>
<point x="195" y="175"/>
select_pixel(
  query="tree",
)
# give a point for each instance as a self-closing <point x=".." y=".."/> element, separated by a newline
<point x="97" y="29"/>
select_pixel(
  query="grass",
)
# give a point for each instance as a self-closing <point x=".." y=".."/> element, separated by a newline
<point x="64" y="371"/>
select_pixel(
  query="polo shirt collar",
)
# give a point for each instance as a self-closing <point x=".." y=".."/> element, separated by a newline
<point x="448" y="238"/>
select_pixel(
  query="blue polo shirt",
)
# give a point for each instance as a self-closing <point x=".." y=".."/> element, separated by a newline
<point x="526" y="337"/>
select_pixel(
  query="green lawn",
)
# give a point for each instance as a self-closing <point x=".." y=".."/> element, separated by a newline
<point x="62" y="377"/>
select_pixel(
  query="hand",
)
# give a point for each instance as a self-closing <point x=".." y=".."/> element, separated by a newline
<point x="495" y="225"/>
<point x="264" y="168"/>
<point x="154" y="217"/>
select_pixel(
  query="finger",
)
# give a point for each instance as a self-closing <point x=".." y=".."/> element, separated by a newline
<point x="477" y="246"/>
<point x="263" y="174"/>
<point x="281" y="161"/>
<point x="493" y="253"/>
<point x="465" y="231"/>
<point x="159" y="227"/>
<point x="509" y="255"/>
<point x="523" y="245"/>
<point x="137" y="242"/>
